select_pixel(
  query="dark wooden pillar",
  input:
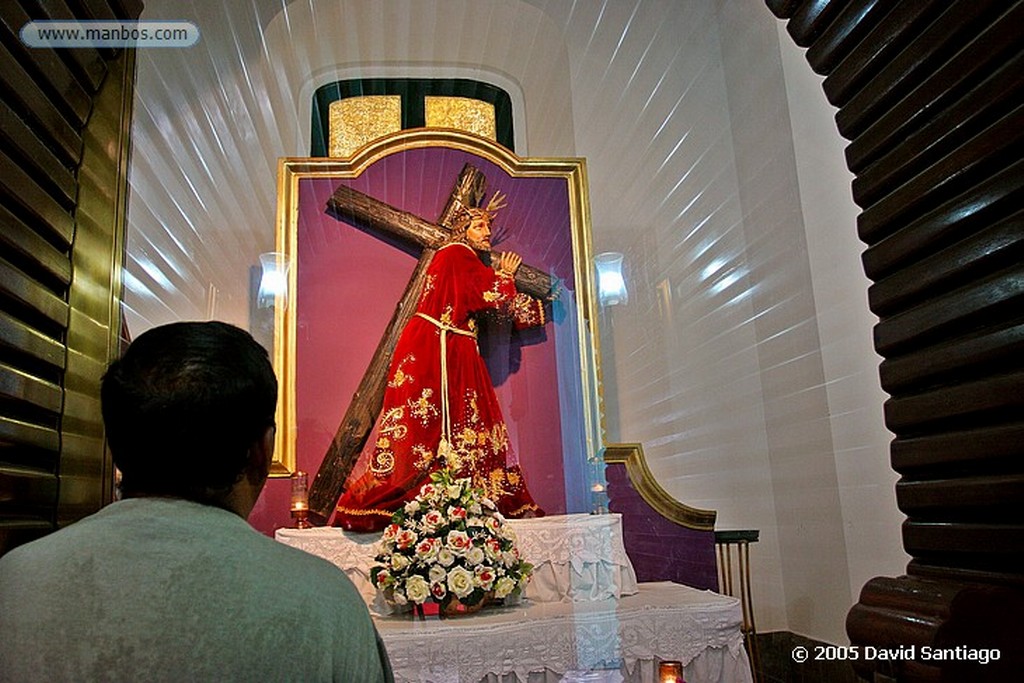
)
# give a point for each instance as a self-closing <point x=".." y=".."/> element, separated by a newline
<point x="929" y="95"/>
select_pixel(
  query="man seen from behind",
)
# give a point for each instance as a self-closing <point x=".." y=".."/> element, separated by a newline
<point x="171" y="583"/>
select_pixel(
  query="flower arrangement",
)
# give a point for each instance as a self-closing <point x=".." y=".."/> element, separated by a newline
<point x="448" y="545"/>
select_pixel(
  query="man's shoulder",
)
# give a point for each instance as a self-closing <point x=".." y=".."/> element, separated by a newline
<point x="82" y="533"/>
<point x="184" y="530"/>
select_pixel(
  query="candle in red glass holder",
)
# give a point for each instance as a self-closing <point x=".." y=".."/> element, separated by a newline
<point x="300" y="499"/>
<point x="670" y="672"/>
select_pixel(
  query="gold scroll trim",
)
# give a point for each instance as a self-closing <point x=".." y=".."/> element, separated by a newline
<point x="632" y="456"/>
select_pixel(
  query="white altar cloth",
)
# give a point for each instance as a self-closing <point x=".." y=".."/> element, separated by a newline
<point x="608" y="640"/>
<point x="576" y="557"/>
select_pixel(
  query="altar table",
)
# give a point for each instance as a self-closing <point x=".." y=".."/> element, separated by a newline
<point x="576" y="557"/>
<point x="584" y="617"/>
<point x="607" y="640"/>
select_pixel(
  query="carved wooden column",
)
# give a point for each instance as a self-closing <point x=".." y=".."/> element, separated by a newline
<point x="65" y="126"/>
<point x="929" y="95"/>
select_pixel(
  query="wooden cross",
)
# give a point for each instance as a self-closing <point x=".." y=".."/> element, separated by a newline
<point x="366" y="212"/>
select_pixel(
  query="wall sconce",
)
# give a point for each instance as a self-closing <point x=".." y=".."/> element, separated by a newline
<point x="611" y="286"/>
<point x="273" y="280"/>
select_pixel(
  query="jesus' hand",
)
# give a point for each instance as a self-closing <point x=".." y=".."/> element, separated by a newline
<point x="509" y="263"/>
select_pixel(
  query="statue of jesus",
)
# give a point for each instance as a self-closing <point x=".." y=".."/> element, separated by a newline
<point x="440" y="409"/>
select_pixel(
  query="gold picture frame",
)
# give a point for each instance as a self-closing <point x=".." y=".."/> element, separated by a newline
<point x="297" y="175"/>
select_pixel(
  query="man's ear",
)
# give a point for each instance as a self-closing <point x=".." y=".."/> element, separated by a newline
<point x="261" y="453"/>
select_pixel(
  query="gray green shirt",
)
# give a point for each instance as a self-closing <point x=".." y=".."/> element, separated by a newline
<point x="156" y="589"/>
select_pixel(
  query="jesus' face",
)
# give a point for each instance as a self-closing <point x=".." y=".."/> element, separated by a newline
<point x="478" y="234"/>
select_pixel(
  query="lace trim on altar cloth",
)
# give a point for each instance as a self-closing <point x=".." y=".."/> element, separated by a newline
<point x="628" y="636"/>
<point x="572" y="539"/>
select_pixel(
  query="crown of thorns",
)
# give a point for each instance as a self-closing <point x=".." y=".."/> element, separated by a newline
<point x="496" y="204"/>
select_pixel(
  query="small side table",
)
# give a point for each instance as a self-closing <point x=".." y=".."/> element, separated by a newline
<point x="726" y="542"/>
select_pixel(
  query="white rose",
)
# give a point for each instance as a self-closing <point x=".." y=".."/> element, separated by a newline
<point x="459" y="542"/>
<point x="417" y="589"/>
<point x="484" y="577"/>
<point x="460" y="582"/>
<point x="503" y="586"/>
<point x="412" y="507"/>
<point x="426" y="549"/>
<point x="475" y="555"/>
<point x="432" y="520"/>
<point x="399" y="562"/>
<point x="454" y="491"/>
<point x="406" y="538"/>
<point x="492" y="547"/>
<point x="437" y="574"/>
<point x="445" y="557"/>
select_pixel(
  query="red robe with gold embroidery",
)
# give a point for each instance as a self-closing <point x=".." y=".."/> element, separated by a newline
<point x="420" y="409"/>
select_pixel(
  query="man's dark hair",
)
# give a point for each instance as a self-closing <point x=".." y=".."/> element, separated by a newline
<point x="184" y="405"/>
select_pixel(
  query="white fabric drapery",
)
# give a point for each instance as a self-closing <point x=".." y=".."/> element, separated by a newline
<point x="584" y="617"/>
<point x="575" y="557"/>
<point x="608" y="640"/>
